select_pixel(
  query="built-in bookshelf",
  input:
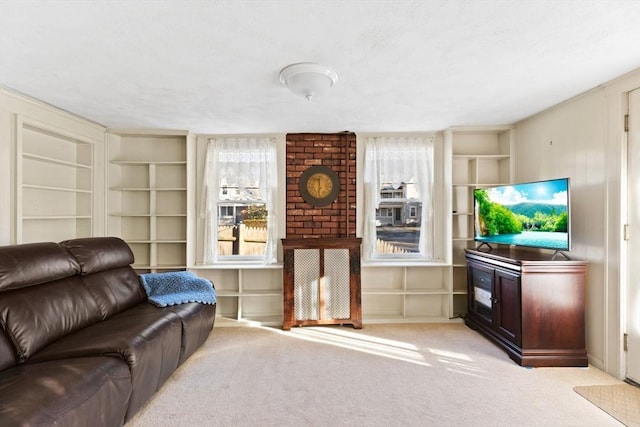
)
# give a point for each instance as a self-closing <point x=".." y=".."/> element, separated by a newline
<point x="250" y="293"/>
<point x="55" y="184"/>
<point x="147" y="196"/>
<point x="405" y="293"/>
<point x="480" y="156"/>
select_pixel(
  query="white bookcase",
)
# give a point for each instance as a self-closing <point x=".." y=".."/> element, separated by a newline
<point x="246" y="294"/>
<point x="405" y="293"/>
<point x="54" y="171"/>
<point x="480" y="156"/>
<point x="147" y="196"/>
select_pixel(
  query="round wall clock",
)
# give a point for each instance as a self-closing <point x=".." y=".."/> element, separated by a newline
<point x="319" y="185"/>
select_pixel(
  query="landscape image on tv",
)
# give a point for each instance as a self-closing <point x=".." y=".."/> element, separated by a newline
<point x="532" y="214"/>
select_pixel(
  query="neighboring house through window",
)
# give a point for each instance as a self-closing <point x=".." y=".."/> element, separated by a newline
<point x="398" y="182"/>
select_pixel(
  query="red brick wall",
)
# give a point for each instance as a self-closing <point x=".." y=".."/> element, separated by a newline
<point x="337" y="151"/>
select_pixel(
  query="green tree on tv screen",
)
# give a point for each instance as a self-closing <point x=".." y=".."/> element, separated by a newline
<point x="495" y="218"/>
<point x="561" y="224"/>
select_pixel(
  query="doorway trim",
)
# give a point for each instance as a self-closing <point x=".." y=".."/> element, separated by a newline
<point x="630" y="272"/>
<point x="615" y="263"/>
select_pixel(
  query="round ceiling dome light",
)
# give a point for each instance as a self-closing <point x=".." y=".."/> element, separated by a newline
<point x="308" y="79"/>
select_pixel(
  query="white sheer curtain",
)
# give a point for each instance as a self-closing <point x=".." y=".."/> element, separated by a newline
<point x="398" y="159"/>
<point x="242" y="163"/>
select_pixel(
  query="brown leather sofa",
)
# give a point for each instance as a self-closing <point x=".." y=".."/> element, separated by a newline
<point x="80" y="343"/>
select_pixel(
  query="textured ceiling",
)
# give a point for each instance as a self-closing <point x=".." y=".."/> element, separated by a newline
<point x="212" y="66"/>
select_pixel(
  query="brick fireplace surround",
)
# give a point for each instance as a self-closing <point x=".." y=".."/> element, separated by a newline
<point x="337" y="151"/>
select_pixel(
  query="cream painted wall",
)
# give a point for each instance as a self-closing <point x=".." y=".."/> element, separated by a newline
<point x="581" y="138"/>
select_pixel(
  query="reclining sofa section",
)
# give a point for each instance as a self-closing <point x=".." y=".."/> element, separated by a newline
<point x="80" y="343"/>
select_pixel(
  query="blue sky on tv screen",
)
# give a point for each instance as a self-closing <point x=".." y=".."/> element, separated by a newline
<point x="552" y="192"/>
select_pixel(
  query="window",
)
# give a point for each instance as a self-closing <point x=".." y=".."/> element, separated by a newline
<point x="398" y="198"/>
<point x="239" y="189"/>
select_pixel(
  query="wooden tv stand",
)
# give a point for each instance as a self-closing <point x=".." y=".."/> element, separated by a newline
<point x="528" y="304"/>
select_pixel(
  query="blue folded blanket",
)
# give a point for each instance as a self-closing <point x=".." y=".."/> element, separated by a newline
<point x="177" y="287"/>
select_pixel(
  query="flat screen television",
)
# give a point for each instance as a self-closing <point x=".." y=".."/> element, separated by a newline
<point x="533" y="214"/>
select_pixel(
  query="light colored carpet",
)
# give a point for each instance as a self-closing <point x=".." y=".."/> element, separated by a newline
<point x="621" y="401"/>
<point x="381" y="375"/>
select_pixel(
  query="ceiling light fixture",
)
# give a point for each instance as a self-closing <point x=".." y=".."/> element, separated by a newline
<point x="308" y="79"/>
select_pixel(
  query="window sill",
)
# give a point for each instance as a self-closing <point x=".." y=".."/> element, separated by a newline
<point x="404" y="263"/>
<point x="232" y="265"/>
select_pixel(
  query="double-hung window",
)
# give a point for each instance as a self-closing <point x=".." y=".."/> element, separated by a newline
<point x="240" y="194"/>
<point x="398" y="189"/>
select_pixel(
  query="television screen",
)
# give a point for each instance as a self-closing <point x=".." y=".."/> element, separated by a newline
<point x="532" y="214"/>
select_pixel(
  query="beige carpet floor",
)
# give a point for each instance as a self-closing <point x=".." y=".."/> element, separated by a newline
<point x="382" y="375"/>
<point x="622" y="401"/>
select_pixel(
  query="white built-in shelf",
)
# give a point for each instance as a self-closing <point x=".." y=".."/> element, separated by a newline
<point x="55" y="184"/>
<point x="157" y="267"/>
<point x="248" y="293"/>
<point x="480" y="156"/>
<point x="252" y="293"/>
<point x="147" y="215"/>
<point x="147" y="189"/>
<point x="405" y="292"/>
<point x="55" y="161"/>
<point x="146" y="163"/>
<point x="374" y="291"/>
<point x="52" y="188"/>
<point x="55" y="217"/>
<point x="147" y="198"/>
<point x="225" y="265"/>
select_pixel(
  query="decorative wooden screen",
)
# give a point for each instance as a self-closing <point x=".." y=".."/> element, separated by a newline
<point x="322" y="282"/>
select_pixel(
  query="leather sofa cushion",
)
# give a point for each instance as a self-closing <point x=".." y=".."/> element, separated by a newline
<point x="38" y="315"/>
<point x="146" y="337"/>
<point x="197" y="323"/>
<point x="96" y="254"/>
<point x="7" y="353"/>
<point x="115" y="290"/>
<point x="34" y="263"/>
<point x="88" y="391"/>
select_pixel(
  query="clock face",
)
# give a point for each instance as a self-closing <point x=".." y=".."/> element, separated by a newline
<point x="319" y="185"/>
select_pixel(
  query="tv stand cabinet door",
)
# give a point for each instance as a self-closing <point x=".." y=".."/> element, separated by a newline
<point x="507" y="316"/>
<point x="480" y="293"/>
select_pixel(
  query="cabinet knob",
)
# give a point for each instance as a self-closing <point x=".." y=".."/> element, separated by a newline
<point x="495" y="300"/>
